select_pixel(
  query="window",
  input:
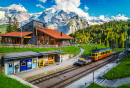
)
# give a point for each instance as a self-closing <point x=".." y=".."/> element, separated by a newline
<point x="43" y="25"/>
<point x="89" y="54"/>
<point x="93" y="54"/>
<point x="52" y="57"/>
<point x="5" y="40"/>
<point x="46" y="41"/>
<point x="10" y="65"/>
<point x="43" y="34"/>
<point x="9" y="40"/>
<point x="34" y="61"/>
<point x="30" y="27"/>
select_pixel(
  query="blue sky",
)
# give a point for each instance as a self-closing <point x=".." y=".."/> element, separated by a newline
<point x="96" y="7"/>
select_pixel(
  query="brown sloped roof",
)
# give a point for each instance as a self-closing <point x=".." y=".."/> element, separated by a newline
<point x="15" y="34"/>
<point x="54" y="33"/>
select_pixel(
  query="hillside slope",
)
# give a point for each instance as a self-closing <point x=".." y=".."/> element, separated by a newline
<point x="3" y="28"/>
<point x="113" y="32"/>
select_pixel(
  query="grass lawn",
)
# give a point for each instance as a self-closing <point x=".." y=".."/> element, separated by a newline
<point x="118" y="49"/>
<point x="6" y="82"/>
<point x="69" y="50"/>
<point x="118" y="70"/>
<point x="94" y="85"/>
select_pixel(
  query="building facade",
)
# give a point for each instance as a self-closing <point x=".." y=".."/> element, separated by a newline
<point x="36" y="32"/>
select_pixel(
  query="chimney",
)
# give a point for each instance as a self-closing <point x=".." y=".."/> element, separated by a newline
<point x="61" y="33"/>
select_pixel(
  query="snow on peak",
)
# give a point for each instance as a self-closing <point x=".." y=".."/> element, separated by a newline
<point x="16" y="7"/>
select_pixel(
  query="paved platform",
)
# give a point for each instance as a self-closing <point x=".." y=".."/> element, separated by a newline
<point x="46" y="69"/>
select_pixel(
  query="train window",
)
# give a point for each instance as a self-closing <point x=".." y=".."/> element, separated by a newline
<point x="89" y="54"/>
<point x="93" y="54"/>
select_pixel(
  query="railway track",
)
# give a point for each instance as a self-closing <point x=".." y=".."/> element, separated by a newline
<point x="52" y="75"/>
<point x="65" y="82"/>
<point x="81" y="71"/>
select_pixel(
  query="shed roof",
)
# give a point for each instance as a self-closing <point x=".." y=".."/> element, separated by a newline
<point x="20" y="55"/>
<point x="54" y="33"/>
<point x="15" y="34"/>
<point x="28" y="54"/>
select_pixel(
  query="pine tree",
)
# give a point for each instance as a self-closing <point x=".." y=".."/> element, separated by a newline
<point x="15" y="24"/>
<point x="9" y="26"/>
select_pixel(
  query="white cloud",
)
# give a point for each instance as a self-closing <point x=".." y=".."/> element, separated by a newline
<point x="39" y="5"/>
<point x="2" y="14"/>
<point x="86" y="8"/>
<point x="70" y="6"/>
<point x="44" y="1"/>
<point x="16" y="7"/>
<point x="120" y="17"/>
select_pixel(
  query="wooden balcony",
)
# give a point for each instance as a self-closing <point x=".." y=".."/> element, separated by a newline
<point x="27" y="37"/>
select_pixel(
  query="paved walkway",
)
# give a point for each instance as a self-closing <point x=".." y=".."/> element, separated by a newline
<point x="36" y="71"/>
<point x="116" y="82"/>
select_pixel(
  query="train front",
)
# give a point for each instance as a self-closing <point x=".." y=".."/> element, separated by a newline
<point x="93" y="56"/>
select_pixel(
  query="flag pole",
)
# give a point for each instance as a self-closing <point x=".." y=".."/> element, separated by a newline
<point x="37" y="37"/>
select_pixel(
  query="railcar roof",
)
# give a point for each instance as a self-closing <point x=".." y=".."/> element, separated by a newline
<point x="99" y="50"/>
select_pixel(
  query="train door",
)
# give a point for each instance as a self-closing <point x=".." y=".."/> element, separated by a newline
<point x="23" y="65"/>
<point x="96" y="54"/>
<point x="10" y="68"/>
<point x="29" y="64"/>
<point x="34" y="63"/>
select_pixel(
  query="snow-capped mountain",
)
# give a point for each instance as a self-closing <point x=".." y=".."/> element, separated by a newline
<point x="13" y="11"/>
<point x="66" y="22"/>
<point x="59" y="20"/>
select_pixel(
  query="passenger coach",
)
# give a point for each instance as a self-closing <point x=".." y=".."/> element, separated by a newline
<point x="99" y="54"/>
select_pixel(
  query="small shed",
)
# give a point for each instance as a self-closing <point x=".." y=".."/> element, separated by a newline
<point x="22" y="61"/>
<point x="114" y="47"/>
<point x="17" y="62"/>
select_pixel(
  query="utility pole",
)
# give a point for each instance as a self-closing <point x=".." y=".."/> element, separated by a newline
<point x="127" y="44"/>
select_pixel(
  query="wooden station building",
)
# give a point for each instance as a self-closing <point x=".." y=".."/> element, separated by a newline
<point x="36" y="32"/>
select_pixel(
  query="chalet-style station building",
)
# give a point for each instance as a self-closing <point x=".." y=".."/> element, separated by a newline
<point x="36" y="32"/>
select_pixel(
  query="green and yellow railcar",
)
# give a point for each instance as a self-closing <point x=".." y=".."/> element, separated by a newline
<point x="99" y="54"/>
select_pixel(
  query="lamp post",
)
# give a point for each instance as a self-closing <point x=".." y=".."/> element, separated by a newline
<point x="127" y="41"/>
<point x="21" y="33"/>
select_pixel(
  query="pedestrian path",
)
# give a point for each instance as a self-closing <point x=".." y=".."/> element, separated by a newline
<point x="46" y="69"/>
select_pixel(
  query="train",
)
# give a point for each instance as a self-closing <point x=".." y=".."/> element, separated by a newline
<point x="94" y="55"/>
<point x="98" y="54"/>
<point x="82" y="61"/>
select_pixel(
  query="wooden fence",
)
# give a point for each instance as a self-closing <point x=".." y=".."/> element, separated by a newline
<point x="36" y="46"/>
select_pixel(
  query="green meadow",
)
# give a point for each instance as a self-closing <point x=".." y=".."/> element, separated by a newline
<point x="120" y="71"/>
<point x="69" y="50"/>
<point x="6" y="82"/>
